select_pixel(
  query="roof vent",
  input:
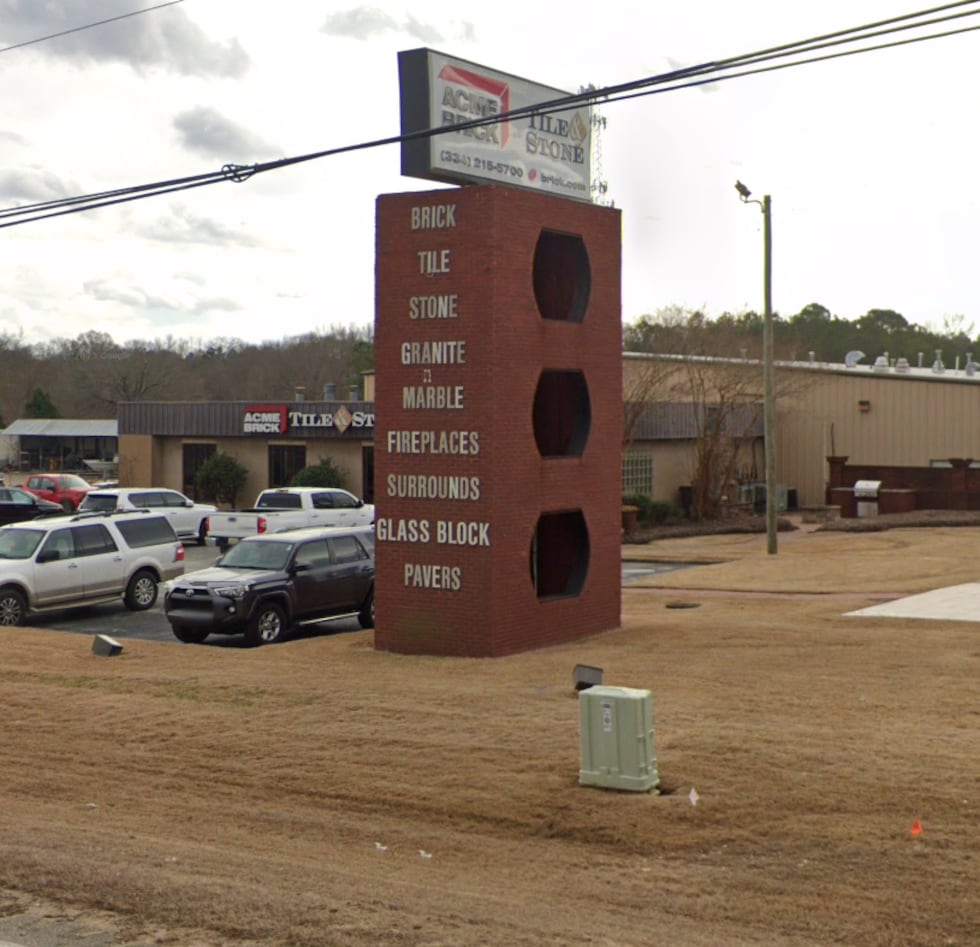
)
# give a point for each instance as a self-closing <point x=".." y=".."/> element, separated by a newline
<point x="852" y="358"/>
<point x="881" y="363"/>
<point x="902" y="365"/>
<point x="937" y="365"/>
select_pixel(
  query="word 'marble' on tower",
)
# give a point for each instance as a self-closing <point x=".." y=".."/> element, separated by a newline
<point x="498" y="362"/>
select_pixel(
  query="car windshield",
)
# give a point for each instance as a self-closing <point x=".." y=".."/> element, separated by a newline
<point x="257" y="555"/>
<point x="19" y="543"/>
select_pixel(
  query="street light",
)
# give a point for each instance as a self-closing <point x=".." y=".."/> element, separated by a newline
<point x="768" y="424"/>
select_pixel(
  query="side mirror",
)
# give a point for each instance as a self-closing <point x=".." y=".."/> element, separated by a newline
<point x="300" y="567"/>
<point x="360" y="503"/>
<point x="48" y="555"/>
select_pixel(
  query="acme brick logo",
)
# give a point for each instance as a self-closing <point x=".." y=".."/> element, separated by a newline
<point x="264" y="419"/>
<point x="467" y="96"/>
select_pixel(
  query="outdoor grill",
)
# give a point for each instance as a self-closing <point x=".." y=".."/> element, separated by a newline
<point x="866" y="494"/>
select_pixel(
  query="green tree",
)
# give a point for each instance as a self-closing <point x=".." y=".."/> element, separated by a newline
<point x="324" y="474"/>
<point x="220" y="478"/>
<point x="40" y="405"/>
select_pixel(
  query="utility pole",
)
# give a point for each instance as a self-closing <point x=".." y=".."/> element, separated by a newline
<point x="769" y="394"/>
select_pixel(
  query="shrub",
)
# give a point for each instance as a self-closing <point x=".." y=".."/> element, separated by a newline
<point x="324" y="474"/>
<point x="653" y="511"/>
<point x="220" y="478"/>
<point x="663" y="511"/>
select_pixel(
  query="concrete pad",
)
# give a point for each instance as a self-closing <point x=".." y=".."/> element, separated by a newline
<point x="954" y="603"/>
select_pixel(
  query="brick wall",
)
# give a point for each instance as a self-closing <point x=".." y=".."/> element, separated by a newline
<point x="956" y="487"/>
<point x="455" y="273"/>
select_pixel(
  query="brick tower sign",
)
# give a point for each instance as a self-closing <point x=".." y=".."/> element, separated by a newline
<point x="499" y="420"/>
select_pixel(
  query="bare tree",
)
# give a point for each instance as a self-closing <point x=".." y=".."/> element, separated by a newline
<point x="727" y="413"/>
<point x="710" y="389"/>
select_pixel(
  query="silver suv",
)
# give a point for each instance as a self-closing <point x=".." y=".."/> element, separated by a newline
<point x="189" y="519"/>
<point x="85" y="559"/>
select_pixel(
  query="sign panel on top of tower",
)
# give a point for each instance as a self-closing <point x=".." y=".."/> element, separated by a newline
<point x="449" y="110"/>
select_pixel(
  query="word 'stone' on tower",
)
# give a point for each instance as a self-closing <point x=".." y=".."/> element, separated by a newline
<point x="499" y="419"/>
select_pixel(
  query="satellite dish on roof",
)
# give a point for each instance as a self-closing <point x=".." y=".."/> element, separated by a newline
<point x="853" y="357"/>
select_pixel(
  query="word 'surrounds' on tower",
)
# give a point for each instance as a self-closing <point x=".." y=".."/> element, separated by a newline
<point x="499" y="421"/>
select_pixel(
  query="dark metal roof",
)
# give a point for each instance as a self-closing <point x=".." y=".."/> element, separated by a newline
<point x="673" y="421"/>
<point x="224" y="418"/>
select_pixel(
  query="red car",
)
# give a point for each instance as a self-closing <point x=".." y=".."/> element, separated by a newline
<point x="66" y="489"/>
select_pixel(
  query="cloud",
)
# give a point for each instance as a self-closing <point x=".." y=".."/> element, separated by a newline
<point x="676" y="66"/>
<point x="130" y="296"/>
<point x="217" y="304"/>
<point x="33" y="186"/>
<point x="105" y="291"/>
<point x="164" y="38"/>
<point x="364" y="23"/>
<point x="207" y="132"/>
<point x="181" y="225"/>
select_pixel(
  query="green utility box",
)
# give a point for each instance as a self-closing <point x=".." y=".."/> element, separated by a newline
<point x="616" y="737"/>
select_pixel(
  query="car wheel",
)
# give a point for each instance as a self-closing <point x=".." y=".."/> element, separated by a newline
<point x="12" y="607"/>
<point x="366" y="615"/>
<point x="267" y="625"/>
<point x="189" y="635"/>
<point x="202" y="533"/>
<point x="141" y="593"/>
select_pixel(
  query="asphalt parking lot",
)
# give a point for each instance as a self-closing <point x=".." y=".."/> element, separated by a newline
<point x="117" y="621"/>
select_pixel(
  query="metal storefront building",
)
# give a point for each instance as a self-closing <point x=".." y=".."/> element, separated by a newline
<point x="83" y="444"/>
<point x="886" y="413"/>
<point x="164" y="443"/>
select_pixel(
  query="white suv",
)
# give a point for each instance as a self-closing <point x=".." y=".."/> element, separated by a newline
<point x="189" y="519"/>
<point x="85" y="559"/>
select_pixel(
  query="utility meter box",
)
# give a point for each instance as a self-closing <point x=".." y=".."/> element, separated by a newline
<point x="616" y="737"/>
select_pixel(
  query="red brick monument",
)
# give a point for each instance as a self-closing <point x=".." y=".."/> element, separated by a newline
<point x="499" y="420"/>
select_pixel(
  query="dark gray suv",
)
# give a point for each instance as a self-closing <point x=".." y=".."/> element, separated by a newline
<point x="266" y="584"/>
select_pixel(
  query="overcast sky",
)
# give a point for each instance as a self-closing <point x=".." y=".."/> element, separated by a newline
<point x="870" y="161"/>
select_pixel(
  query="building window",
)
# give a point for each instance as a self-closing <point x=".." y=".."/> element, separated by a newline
<point x="285" y="461"/>
<point x="637" y="473"/>
<point x="194" y="457"/>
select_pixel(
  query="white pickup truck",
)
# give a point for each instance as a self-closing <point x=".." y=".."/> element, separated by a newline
<point x="290" y="508"/>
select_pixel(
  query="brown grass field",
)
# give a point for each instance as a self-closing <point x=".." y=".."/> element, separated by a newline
<point x="319" y="792"/>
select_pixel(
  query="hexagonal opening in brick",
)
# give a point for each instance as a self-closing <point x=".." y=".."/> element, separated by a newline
<point x="560" y="554"/>
<point x="562" y="414"/>
<point x="562" y="276"/>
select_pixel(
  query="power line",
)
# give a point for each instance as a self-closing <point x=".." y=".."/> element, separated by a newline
<point x="688" y="77"/>
<point x="88" y="26"/>
<point x="801" y="62"/>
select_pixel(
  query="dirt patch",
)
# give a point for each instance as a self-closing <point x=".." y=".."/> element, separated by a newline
<point x="320" y="792"/>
